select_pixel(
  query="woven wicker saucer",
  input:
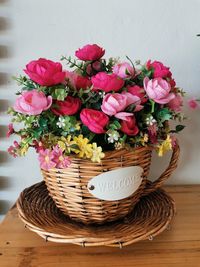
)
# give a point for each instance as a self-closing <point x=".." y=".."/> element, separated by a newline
<point x="149" y="218"/>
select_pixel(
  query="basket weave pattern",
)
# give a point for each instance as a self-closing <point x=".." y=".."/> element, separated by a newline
<point x="69" y="190"/>
<point x="68" y="187"/>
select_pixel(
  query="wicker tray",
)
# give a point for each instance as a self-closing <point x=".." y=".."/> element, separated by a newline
<point x="149" y="218"/>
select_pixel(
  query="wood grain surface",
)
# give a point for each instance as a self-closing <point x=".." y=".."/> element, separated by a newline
<point x="178" y="246"/>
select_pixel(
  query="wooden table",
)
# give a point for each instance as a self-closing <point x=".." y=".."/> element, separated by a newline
<point x="178" y="246"/>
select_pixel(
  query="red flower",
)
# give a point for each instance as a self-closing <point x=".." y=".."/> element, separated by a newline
<point x="160" y="71"/>
<point x="69" y="106"/>
<point x="95" y="120"/>
<point x="90" y="52"/>
<point x="45" y="72"/>
<point x="107" y="82"/>
<point x="77" y="81"/>
<point x="129" y="126"/>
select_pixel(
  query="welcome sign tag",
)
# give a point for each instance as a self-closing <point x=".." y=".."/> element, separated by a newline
<point x="117" y="184"/>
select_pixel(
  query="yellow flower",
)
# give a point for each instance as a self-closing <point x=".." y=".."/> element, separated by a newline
<point x="97" y="153"/>
<point x="84" y="149"/>
<point x="65" y="143"/>
<point x="144" y="139"/>
<point x="165" y="146"/>
<point x="77" y="126"/>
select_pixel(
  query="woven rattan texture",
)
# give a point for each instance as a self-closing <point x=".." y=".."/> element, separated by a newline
<point x="68" y="187"/>
<point x="151" y="216"/>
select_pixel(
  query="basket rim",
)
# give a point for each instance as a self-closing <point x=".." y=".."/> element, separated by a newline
<point x="108" y="156"/>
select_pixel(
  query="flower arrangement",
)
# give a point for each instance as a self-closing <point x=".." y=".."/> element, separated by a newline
<point x="96" y="106"/>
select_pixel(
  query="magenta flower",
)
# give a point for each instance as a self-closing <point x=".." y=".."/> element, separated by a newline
<point x="10" y="130"/>
<point x="193" y="103"/>
<point x="60" y="160"/>
<point x="46" y="159"/>
<point x="90" y="52"/>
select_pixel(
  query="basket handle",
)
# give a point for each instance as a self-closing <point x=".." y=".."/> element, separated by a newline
<point x="150" y="187"/>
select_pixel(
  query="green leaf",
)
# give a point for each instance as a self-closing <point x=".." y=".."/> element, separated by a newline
<point x="163" y="115"/>
<point x="59" y="94"/>
<point x="179" y="128"/>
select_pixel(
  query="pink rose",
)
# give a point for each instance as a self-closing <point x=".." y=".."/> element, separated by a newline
<point x="158" y="89"/>
<point x="78" y="81"/>
<point x="32" y="102"/>
<point x="193" y="103"/>
<point x="90" y="52"/>
<point x="123" y="70"/>
<point x="176" y="103"/>
<point x="160" y="71"/>
<point x="95" y="120"/>
<point x="69" y="106"/>
<point x="138" y="91"/>
<point x="107" y="82"/>
<point x="45" y="72"/>
<point x="129" y="126"/>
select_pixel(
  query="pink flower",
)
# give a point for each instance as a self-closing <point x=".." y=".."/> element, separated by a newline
<point x="193" y="103"/>
<point x="133" y="99"/>
<point x="60" y="160"/>
<point x="95" y="120"/>
<point x="138" y="91"/>
<point x="123" y="70"/>
<point x="12" y="151"/>
<point x="107" y="82"/>
<point x="45" y="72"/>
<point x="90" y="52"/>
<point x="159" y="90"/>
<point x="160" y="71"/>
<point x="129" y="126"/>
<point x="113" y="104"/>
<point x="10" y="130"/>
<point x="77" y="81"/>
<point x="69" y="106"/>
<point x="176" y="103"/>
<point x="46" y="159"/>
<point x="32" y="102"/>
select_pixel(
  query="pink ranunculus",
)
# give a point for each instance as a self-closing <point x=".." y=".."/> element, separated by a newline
<point x="158" y="90"/>
<point x="113" y="103"/>
<point x="69" y="106"/>
<point x="107" y="82"/>
<point x="32" y="102"/>
<point x="90" y="52"/>
<point x="193" y="103"/>
<point x="176" y="103"/>
<point x="129" y="126"/>
<point x="45" y="72"/>
<point x="123" y="70"/>
<point x="77" y="81"/>
<point x="160" y="71"/>
<point x="138" y="91"/>
<point x="95" y="120"/>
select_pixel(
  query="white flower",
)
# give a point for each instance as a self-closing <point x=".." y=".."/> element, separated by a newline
<point x="61" y="122"/>
<point x="102" y="93"/>
<point x="113" y="136"/>
<point x="150" y="120"/>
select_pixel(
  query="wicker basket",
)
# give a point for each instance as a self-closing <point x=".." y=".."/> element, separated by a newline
<point x="68" y="187"/>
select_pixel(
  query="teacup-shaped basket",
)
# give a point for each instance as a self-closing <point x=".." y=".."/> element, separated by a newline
<point x="94" y="193"/>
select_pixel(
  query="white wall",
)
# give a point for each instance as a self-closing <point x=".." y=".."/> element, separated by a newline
<point x="163" y="30"/>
